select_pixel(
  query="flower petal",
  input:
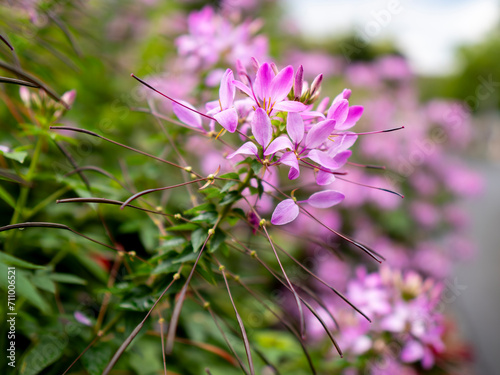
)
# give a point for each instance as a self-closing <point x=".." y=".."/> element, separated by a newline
<point x="188" y="117"/>
<point x="342" y="142"/>
<point x="354" y="115"/>
<point x="324" y="178"/>
<point x="319" y="133"/>
<point x="227" y="89"/>
<point x="228" y="119"/>
<point x="290" y="159"/>
<point x="325" y="199"/>
<point x="279" y="144"/>
<point x="412" y="351"/>
<point x="339" y="111"/>
<point x="248" y="148"/>
<point x="282" y="84"/>
<point x="285" y="212"/>
<point x="289" y="106"/>
<point x="263" y="81"/>
<point x="243" y="88"/>
<point x="261" y="127"/>
<point x="327" y="161"/>
<point x="295" y="127"/>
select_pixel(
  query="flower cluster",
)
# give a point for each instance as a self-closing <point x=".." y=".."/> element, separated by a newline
<point x="407" y="325"/>
<point x="285" y="127"/>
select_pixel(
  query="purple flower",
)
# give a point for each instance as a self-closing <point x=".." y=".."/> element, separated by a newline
<point x="270" y="90"/>
<point x="224" y="111"/>
<point x="288" y="210"/>
<point x="262" y="130"/>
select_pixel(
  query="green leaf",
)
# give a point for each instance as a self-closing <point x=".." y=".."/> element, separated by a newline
<point x="13" y="261"/>
<point x="10" y="175"/>
<point x="211" y="192"/>
<point x="26" y="289"/>
<point x="44" y="353"/>
<point x="228" y="185"/>
<point x="230" y="197"/>
<point x="165" y="267"/>
<point x="96" y="358"/>
<point x="183" y="227"/>
<point x="209" y="217"/>
<point x="198" y="237"/>
<point x="7" y="198"/>
<point x="205" y="270"/>
<point x="172" y="243"/>
<point x="42" y="280"/>
<point x="201" y="207"/>
<point x="67" y="278"/>
<point x="256" y="166"/>
<point x="232" y="175"/>
<point x="18" y="156"/>
<point x="217" y="239"/>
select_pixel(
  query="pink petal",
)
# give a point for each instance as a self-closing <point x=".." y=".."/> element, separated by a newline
<point x="261" y="127"/>
<point x="243" y="88"/>
<point x="412" y="351"/>
<point x="279" y="144"/>
<point x="247" y="149"/>
<point x="282" y="84"/>
<point x="327" y="161"/>
<point x="290" y="159"/>
<point x="319" y="133"/>
<point x="289" y="106"/>
<point x="323" y="104"/>
<point x="324" y="178"/>
<point x="339" y="111"/>
<point x="263" y="81"/>
<point x="188" y="117"/>
<point x="342" y="142"/>
<point x="295" y="127"/>
<point x="325" y="199"/>
<point x="285" y="212"/>
<point x="354" y="115"/>
<point x="227" y="89"/>
<point x="228" y="119"/>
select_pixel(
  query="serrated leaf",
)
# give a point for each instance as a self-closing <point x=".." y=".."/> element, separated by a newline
<point x="44" y="353"/>
<point x="13" y="261"/>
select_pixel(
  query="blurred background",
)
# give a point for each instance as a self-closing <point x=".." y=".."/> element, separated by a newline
<point x="454" y="47"/>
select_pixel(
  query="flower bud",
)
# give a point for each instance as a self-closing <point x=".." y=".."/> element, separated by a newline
<point x="299" y="80"/>
<point x="69" y="97"/>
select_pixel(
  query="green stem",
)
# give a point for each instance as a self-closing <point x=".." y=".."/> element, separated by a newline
<point x="23" y="195"/>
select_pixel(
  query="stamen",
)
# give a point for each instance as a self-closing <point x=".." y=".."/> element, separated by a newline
<point x="381" y="131"/>
<point x="171" y="99"/>
<point x="373" y="187"/>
